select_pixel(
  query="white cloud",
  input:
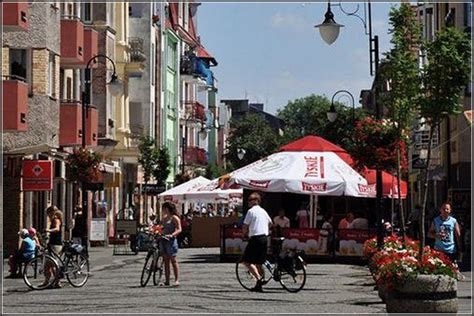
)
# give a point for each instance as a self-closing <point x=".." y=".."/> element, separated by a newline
<point x="288" y="21"/>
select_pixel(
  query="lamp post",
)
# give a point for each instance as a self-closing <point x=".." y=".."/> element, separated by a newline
<point x="332" y="114"/>
<point x="115" y="88"/>
<point x="329" y="31"/>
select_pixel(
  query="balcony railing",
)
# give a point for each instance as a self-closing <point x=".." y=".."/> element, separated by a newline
<point x="137" y="52"/>
<point x="15" y="104"/>
<point x="195" y="155"/>
<point x="15" y="16"/>
<point x="70" y="123"/>
<point x="195" y="110"/>
<point x="72" y="41"/>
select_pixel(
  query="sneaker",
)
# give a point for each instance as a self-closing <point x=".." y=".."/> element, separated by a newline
<point x="257" y="288"/>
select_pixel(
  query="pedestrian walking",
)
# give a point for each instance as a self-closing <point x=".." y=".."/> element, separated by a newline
<point x="55" y="242"/>
<point x="169" y="244"/>
<point x="447" y="233"/>
<point x="326" y="235"/>
<point x="256" y="226"/>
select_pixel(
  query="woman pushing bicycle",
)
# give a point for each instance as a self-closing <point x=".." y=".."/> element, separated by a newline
<point x="169" y="243"/>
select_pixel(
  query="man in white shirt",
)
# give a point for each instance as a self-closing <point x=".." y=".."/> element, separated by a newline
<point x="256" y="227"/>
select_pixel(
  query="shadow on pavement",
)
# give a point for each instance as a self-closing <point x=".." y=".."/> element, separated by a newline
<point x="202" y="259"/>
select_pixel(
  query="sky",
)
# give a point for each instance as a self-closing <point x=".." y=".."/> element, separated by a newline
<point x="271" y="53"/>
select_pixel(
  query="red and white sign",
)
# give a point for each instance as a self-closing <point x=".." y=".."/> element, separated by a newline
<point x="37" y="175"/>
<point x="313" y="187"/>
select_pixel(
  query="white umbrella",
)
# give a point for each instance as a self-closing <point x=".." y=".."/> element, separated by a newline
<point x="305" y="172"/>
<point x="310" y="165"/>
<point x="178" y="193"/>
<point x="212" y="192"/>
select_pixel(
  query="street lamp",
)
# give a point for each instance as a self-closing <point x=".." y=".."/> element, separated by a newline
<point x="332" y="114"/>
<point x="329" y="30"/>
<point x="115" y="88"/>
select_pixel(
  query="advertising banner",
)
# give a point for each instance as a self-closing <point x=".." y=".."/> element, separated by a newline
<point x="351" y="241"/>
<point x="37" y="175"/>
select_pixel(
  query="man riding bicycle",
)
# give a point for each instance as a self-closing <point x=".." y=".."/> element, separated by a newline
<point x="256" y="226"/>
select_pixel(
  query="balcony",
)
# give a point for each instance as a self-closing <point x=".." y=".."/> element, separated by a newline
<point x="195" y="110"/>
<point x="72" y="42"/>
<point x="92" y="126"/>
<point x="70" y="123"/>
<point x="15" y="16"/>
<point x="137" y="56"/>
<point x="91" y="45"/>
<point x="195" y="156"/>
<point x="15" y="104"/>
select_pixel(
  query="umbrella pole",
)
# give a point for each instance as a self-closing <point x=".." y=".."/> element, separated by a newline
<point x="311" y="211"/>
<point x="315" y="199"/>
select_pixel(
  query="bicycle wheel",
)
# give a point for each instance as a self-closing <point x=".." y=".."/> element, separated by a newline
<point x="40" y="272"/>
<point x="147" y="269"/>
<point x="293" y="276"/>
<point x="158" y="270"/>
<point x="77" y="269"/>
<point x="245" y="278"/>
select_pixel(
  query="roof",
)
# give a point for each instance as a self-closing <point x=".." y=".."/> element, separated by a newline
<point x="201" y="52"/>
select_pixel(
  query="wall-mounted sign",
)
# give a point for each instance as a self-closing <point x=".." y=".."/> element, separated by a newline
<point x="37" y="175"/>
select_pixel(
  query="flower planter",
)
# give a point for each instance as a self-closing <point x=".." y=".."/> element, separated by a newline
<point x="383" y="292"/>
<point x="424" y="293"/>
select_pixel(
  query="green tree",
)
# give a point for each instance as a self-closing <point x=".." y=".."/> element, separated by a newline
<point x="253" y="134"/>
<point x="400" y="70"/>
<point x="148" y="157"/>
<point x="308" y="116"/>
<point x="162" y="166"/>
<point x="444" y="77"/>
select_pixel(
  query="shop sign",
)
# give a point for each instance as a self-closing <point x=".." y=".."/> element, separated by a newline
<point x="37" y="175"/>
<point x="98" y="230"/>
<point x="153" y="189"/>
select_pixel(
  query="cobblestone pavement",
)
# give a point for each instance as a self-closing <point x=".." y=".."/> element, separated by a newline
<point x="207" y="286"/>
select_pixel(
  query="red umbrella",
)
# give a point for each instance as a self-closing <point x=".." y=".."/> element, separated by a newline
<point x="389" y="183"/>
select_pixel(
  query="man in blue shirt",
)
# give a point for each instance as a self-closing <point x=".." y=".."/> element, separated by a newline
<point x="444" y="229"/>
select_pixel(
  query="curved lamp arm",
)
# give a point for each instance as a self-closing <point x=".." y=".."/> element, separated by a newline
<point x="352" y="99"/>
<point x="114" y="75"/>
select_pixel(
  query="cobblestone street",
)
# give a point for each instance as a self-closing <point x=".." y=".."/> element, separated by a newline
<point x="207" y="286"/>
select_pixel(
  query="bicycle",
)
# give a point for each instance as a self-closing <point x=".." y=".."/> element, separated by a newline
<point x="47" y="267"/>
<point x="286" y="267"/>
<point x="153" y="263"/>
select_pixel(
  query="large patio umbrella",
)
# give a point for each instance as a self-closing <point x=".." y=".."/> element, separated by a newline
<point x="310" y="165"/>
<point x="211" y="191"/>
<point x="178" y="193"/>
<point x="389" y="184"/>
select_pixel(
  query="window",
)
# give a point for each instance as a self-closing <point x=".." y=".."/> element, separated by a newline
<point x="110" y="14"/>
<point x="61" y="84"/>
<point x="18" y="63"/>
<point x="86" y="12"/>
<point x="153" y="66"/>
<point x="171" y="61"/>
<point x="429" y="24"/>
<point x="51" y="75"/>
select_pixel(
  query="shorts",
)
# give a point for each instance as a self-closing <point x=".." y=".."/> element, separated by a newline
<point x="57" y="249"/>
<point x="256" y="250"/>
<point x="169" y="247"/>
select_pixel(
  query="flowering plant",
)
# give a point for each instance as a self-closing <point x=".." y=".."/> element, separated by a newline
<point x="381" y="139"/>
<point x="398" y="261"/>
<point x="84" y="165"/>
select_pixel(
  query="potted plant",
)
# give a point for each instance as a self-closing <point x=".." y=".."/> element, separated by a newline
<point x="84" y="166"/>
<point x="408" y="284"/>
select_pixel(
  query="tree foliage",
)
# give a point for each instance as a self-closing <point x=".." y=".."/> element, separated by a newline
<point x="444" y="78"/>
<point x="162" y="168"/>
<point x="253" y="134"/>
<point x="154" y="161"/>
<point x="308" y="116"/>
